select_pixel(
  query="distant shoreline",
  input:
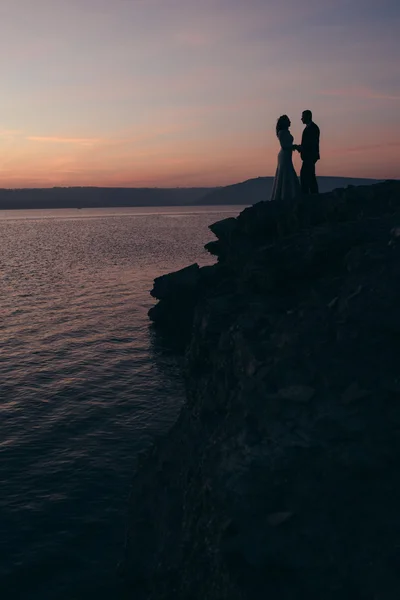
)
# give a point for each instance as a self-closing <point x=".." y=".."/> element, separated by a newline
<point x="77" y="197"/>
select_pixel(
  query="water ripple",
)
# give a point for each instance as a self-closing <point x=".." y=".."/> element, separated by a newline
<point x="83" y="385"/>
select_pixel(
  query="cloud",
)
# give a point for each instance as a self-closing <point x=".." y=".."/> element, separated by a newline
<point x="360" y="92"/>
<point x="7" y="132"/>
<point x="9" y="135"/>
<point x="365" y="148"/>
<point x="65" y="140"/>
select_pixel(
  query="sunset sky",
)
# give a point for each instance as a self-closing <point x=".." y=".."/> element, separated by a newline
<point x="187" y="92"/>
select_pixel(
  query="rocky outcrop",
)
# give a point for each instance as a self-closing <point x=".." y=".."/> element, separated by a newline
<point x="279" y="478"/>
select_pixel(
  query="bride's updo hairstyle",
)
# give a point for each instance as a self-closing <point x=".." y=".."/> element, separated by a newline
<point x="282" y="123"/>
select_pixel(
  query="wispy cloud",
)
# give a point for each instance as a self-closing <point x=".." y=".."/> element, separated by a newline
<point x="6" y="132"/>
<point x="365" y="148"/>
<point x="360" y="92"/>
<point x="9" y="135"/>
<point x="65" y="140"/>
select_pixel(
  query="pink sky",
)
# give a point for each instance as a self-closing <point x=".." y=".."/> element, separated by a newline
<point x="187" y="93"/>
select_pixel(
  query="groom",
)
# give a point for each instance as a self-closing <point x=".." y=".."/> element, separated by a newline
<point x="309" y="152"/>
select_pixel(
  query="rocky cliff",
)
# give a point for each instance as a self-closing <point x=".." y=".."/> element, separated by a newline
<point x="280" y="478"/>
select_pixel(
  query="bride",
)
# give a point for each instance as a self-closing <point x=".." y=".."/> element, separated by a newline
<point x="286" y="184"/>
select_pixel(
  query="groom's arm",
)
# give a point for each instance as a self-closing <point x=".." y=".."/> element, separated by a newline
<point x="316" y="141"/>
<point x="315" y="135"/>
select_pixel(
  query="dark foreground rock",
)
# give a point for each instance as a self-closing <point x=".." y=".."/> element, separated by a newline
<point x="280" y="477"/>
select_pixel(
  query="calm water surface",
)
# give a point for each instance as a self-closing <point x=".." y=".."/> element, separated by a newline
<point x="84" y="384"/>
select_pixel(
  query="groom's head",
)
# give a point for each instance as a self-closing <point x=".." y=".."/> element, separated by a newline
<point x="306" y="116"/>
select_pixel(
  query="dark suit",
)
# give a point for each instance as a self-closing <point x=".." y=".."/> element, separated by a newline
<point x="309" y="155"/>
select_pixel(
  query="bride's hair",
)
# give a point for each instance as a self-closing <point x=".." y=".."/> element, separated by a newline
<point x="282" y="123"/>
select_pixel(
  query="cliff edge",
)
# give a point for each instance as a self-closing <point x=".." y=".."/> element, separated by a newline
<point x="280" y="478"/>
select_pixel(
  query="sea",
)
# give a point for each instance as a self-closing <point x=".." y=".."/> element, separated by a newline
<point x="85" y="384"/>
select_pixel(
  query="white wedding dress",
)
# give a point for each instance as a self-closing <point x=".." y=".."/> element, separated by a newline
<point x="286" y="183"/>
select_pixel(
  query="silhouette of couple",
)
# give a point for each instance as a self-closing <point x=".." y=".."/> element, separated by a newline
<point x="286" y="183"/>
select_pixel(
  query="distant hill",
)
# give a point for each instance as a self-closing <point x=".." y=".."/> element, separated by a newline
<point x="248" y="192"/>
<point x="255" y="190"/>
<point x="94" y="197"/>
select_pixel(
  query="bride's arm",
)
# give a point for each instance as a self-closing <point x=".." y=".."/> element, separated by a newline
<point x="285" y="140"/>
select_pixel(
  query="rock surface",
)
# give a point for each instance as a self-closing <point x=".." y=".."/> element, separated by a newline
<point x="280" y="477"/>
